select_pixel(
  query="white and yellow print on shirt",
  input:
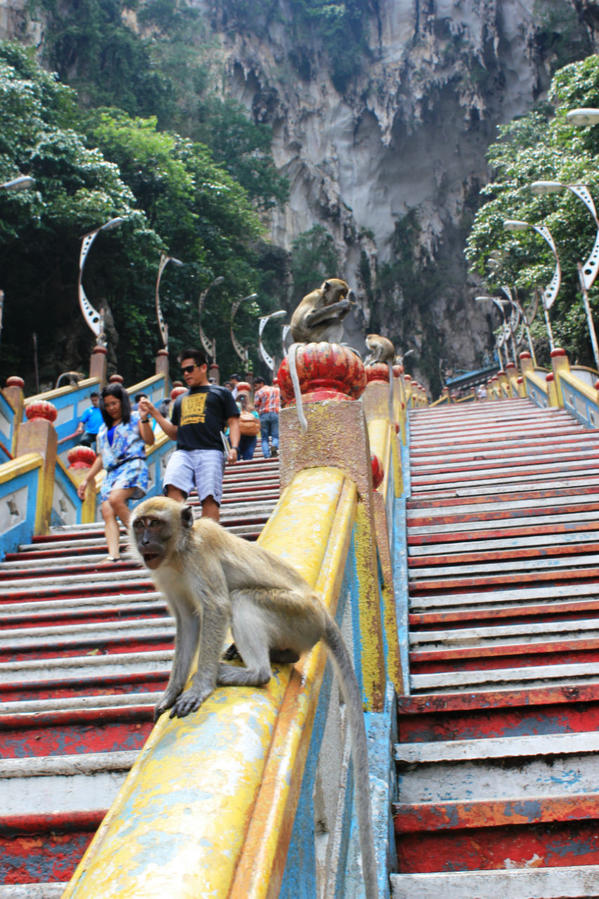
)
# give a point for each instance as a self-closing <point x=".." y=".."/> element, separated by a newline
<point x="193" y="409"/>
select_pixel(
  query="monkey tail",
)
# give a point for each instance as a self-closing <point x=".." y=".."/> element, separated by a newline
<point x="353" y="704"/>
<point x="296" y="387"/>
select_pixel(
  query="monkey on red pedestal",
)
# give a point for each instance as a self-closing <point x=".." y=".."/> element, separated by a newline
<point x="319" y="316"/>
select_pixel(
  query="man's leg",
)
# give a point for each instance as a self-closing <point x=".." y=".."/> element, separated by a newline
<point x="210" y="508"/>
<point x="175" y="493"/>
<point x="274" y="431"/>
<point x="264" y="434"/>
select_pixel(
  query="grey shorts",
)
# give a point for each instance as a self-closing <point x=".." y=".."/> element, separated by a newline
<point x="202" y="469"/>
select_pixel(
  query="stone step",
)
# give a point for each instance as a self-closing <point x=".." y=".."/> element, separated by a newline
<point x="575" y="882"/>
<point x="64" y="784"/>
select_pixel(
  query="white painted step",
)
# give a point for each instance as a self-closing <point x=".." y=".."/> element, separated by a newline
<point x="33" y="891"/>
<point x="79" y="703"/>
<point x="474" y="545"/>
<point x="62" y="783"/>
<point x="502" y="523"/>
<point x="490" y="635"/>
<point x="551" y="502"/>
<point x="486" y="749"/>
<point x="515" y="678"/>
<point x="575" y="882"/>
<point x="490" y="568"/>
<point x="109" y="631"/>
<point x="509" y="596"/>
<point x="66" y="668"/>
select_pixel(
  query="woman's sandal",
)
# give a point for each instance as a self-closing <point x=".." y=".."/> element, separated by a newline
<point x="112" y="559"/>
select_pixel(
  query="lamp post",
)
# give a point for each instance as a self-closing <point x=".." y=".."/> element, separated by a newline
<point x="209" y="345"/>
<point x="267" y="358"/>
<point x="162" y="325"/>
<point x="587" y="271"/>
<point x="22" y="182"/>
<point x="551" y="291"/>
<point x="507" y="326"/>
<point x="242" y="351"/>
<point x="586" y="115"/>
<point x="94" y="319"/>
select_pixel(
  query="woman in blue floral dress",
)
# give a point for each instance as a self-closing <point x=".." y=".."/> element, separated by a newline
<point x="121" y="451"/>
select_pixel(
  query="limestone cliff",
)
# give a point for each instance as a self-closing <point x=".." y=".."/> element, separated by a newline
<point x="393" y="164"/>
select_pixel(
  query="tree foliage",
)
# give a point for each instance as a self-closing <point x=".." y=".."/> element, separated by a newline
<point x="543" y="146"/>
<point x="173" y="196"/>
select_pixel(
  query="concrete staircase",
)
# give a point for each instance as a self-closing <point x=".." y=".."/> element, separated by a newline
<point x="85" y="651"/>
<point x="498" y="769"/>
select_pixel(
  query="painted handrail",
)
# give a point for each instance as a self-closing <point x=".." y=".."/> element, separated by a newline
<point x="21" y="499"/>
<point x="222" y="827"/>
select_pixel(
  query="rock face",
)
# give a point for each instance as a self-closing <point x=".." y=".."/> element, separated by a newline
<point x="391" y="162"/>
<point x="392" y="165"/>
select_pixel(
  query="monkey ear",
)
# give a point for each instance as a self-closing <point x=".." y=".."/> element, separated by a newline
<point x="187" y="517"/>
<point x="326" y="285"/>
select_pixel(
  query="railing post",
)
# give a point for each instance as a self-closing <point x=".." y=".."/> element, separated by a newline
<point x="560" y="365"/>
<point x="98" y="364"/>
<point x="14" y="393"/>
<point x="162" y="367"/>
<point x="38" y="435"/>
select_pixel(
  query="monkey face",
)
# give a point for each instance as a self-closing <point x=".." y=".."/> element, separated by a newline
<point x="152" y="538"/>
<point x="159" y="529"/>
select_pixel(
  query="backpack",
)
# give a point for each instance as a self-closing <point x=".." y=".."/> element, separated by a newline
<point x="249" y="425"/>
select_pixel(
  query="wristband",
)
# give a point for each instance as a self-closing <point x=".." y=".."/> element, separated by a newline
<point x="236" y="448"/>
<point x="144" y="421"/>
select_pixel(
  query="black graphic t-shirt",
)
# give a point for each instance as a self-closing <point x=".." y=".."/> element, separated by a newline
<point x="201" y="414"/>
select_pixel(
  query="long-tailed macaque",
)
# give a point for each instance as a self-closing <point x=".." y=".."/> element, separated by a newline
<point x="319" y="316"/>
<point x="382" y="350"/>
<point x="213" y="580"/>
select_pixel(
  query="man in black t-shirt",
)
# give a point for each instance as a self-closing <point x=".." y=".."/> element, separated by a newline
<point x="197" y="419"/>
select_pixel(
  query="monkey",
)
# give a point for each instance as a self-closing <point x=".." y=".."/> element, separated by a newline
<point x="319" y="316"/>
<point x="212" y="580"/>
<point x="382" y="350"/>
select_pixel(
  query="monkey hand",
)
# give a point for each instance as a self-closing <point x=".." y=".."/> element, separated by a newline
<point x="167" y="701"/>
<point x="191" y="700"/>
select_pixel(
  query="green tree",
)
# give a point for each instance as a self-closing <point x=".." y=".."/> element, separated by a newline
<point x="76" y="190"/>
<point x="313" y="258"/>
<point x="543" y="145"/>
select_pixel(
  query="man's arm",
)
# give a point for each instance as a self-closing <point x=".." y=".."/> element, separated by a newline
<point x="146" y="408"/>
<point x="234" y="437"/>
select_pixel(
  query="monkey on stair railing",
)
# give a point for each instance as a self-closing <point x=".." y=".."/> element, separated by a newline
<point x="382" y="350"/>
<point x="319" y="316"/>
<point x="213" y="580"/>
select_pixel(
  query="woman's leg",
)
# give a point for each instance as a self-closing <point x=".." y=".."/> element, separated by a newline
<point x="116" y="506"/>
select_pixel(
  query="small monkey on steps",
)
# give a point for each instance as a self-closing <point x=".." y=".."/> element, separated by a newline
<point x="319" y="316"/>
<point x="213" y="580"/>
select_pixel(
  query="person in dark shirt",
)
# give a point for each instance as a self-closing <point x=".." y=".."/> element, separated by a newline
<point x="197" y="421"/>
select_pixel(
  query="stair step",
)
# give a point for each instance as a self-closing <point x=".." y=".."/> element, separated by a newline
<point x="43" y="846"/>
<point x="498" y="713"/>
<point x="576" y="881"/>
<point x="64" y="784"/>
<point x="575" y="674"/>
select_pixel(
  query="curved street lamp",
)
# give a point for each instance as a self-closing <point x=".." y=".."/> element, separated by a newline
<point x="508" y="330"/>
<point x="242" y="351"/>
<point x="209" y="345"/>
<point x="587" y="271"/>
<point x="93" y="318"/>
<point x="162" y="325"/>
<point x="267" y="358"/>
<point x="550" y="293"/>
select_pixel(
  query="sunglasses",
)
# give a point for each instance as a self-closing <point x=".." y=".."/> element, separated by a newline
<point x="187" y="369"/>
